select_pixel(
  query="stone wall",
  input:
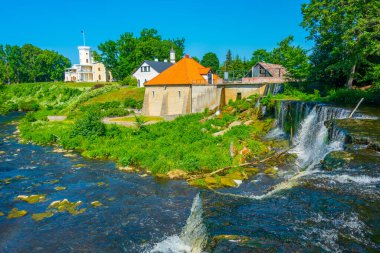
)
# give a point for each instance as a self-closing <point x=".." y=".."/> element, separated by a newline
<point x="205" y="96"/>
<point x="245" y="90"/>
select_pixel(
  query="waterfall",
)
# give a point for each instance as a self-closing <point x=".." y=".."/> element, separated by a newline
<point x="193" y="236"/>
<point x="273" y="89"/>
<point x="311" y="140"/>
<point x="306" y="122"/>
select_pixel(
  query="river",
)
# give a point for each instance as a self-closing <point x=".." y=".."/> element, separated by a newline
<point x="310" y="207"/>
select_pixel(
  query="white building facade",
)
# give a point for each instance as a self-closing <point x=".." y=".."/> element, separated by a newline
<point x="87" y="70"/>
<point x="150" y="69"/>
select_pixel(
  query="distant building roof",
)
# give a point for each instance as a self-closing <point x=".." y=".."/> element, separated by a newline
<point x="159" y="66"/>
<point x="273" y="69"/>
<point x="186" y="71"/>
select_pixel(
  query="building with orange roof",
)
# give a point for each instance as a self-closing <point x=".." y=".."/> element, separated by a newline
<point x="186" y="87"/>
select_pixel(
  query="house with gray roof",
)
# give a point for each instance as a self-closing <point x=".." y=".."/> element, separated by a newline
<point x="150" y="69"/>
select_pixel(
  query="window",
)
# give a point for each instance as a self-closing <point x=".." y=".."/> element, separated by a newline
<point x="99" y="69"/>
<point x="238" y="96"/>
<point x="86" y="60"/>
<point x="100" y="77"/>
<point x="145" y="69"/>
<point x="179" y="94"/>
<point x="152" y="93"/>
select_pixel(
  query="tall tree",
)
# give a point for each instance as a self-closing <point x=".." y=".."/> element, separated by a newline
<point x="260" y="55"/>
<point x="210" y="60"/>
<point x="346" y="34"/>
<point x="124" y="55"/>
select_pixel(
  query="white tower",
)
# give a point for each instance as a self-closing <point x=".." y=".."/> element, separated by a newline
<point x="172" y="56"/>
<point x="84" y="55"/>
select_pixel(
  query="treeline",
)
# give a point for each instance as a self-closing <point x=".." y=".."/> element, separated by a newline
<point x="346" y="52"/>
<point x="125" y="54"/>
<point x="293" y="58"/>
<point x="30" y="64"/>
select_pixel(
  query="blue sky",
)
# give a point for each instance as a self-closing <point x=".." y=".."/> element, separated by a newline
<point x="240" y="25"/>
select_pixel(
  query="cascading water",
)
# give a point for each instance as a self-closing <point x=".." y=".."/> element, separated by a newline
<point x="193" y="236"/>
<point x="274" y="89"/>
<point x="311" y="141"/>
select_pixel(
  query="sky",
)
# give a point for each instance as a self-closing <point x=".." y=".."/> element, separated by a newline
<point x="207" y="26"/>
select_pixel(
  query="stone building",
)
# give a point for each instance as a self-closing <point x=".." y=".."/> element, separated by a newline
<point x="87" y="70"/>
<point x="186" y="87"/>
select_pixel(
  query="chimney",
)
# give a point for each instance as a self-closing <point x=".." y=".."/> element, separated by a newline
<point x="155" y="59"/>
<point x="165" y="60"/>
<point x="172" y="56"/>
<point x="187" y="56"/>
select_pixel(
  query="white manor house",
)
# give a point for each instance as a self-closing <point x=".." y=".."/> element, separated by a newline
<point x="87" y="70"/>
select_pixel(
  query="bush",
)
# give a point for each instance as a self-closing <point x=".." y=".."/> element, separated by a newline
<point x="89" y="125"/>
<point x="28" y="106"/>
<point x="129" y="80"/>
<point x="133" y="103"/>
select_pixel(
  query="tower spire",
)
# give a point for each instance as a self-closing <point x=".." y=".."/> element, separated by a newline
<point x="84" y="38"/>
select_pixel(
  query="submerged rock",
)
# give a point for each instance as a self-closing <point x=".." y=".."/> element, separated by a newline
<point x="54" y="181"/>
<point x="96" y="204"/>
<point x="60" y="188"/>
<point x="2" y="152"/>
<point x="337" y="159"/>
<point x="32" y="198"/>
<point x="127" y="169"/>
<point x="41" y="216"/>
<point x="80" y="165"/>
<point x="177" y="174"/>
<point x="101" y="184"/>
<point x="15" y="213"/>
<point x="66" y="206"/>
<point x="272" y="171"/>
<point x="1" y="214"/>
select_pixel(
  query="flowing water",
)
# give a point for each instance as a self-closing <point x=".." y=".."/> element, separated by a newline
<point x="310" y="206"/>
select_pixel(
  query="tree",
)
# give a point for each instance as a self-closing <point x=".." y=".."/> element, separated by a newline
<point x="124" y="55"/>
<point x="210" y="60"/>
<point x="293" y="58"/>
<point x="195" y="59"/>
<point x="346" y="34"/>
<point x="260" y="55"/>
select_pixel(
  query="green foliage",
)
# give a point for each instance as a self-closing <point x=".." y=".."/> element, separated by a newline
<point x="28" y="106"/>
<point x="346" y="40"/>
<point x="129" y="80"/>
<point x="352" y="96"/>
<point x="132" y="103"/>
<point x="32" y="96"/>
<point x="210" y="60"/>
<point x="30" y="64"/>
<point x="89" y="125"/>
<point x="124" y="55"/>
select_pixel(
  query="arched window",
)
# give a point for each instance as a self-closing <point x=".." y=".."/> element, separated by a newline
<point x="100" y="77"/>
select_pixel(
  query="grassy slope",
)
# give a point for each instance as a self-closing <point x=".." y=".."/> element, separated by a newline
<point x="118" y="95"/>
<point x="185" y="143"/>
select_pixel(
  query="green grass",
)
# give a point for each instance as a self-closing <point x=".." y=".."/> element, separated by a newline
<point x="133" y="119"/>
<point x="118" y="95"/>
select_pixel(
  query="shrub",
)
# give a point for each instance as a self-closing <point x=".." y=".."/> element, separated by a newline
<point x="89" y="125"/>
<point x="28" y="106"/>
<point x="133" y="103"/>
<point x="129" y="80"/>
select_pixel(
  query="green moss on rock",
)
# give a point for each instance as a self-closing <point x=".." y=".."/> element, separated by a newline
<point x="32" y="198"/>
<point x="96" y="204"/>
<point x="15" y="213"/>
<point x="41" y="216"/>
<point x="66" y="206"/>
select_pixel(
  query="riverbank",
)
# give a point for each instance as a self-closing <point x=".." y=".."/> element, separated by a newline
<point x="191" y="145"/>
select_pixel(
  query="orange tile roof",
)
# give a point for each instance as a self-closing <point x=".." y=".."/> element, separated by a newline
<point x="186" y="71"/>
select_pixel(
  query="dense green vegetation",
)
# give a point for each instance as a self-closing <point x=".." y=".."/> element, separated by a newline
<point x="124" y="55"/>
<point x="159" y="148"/>
<point x="30" y="64"/>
